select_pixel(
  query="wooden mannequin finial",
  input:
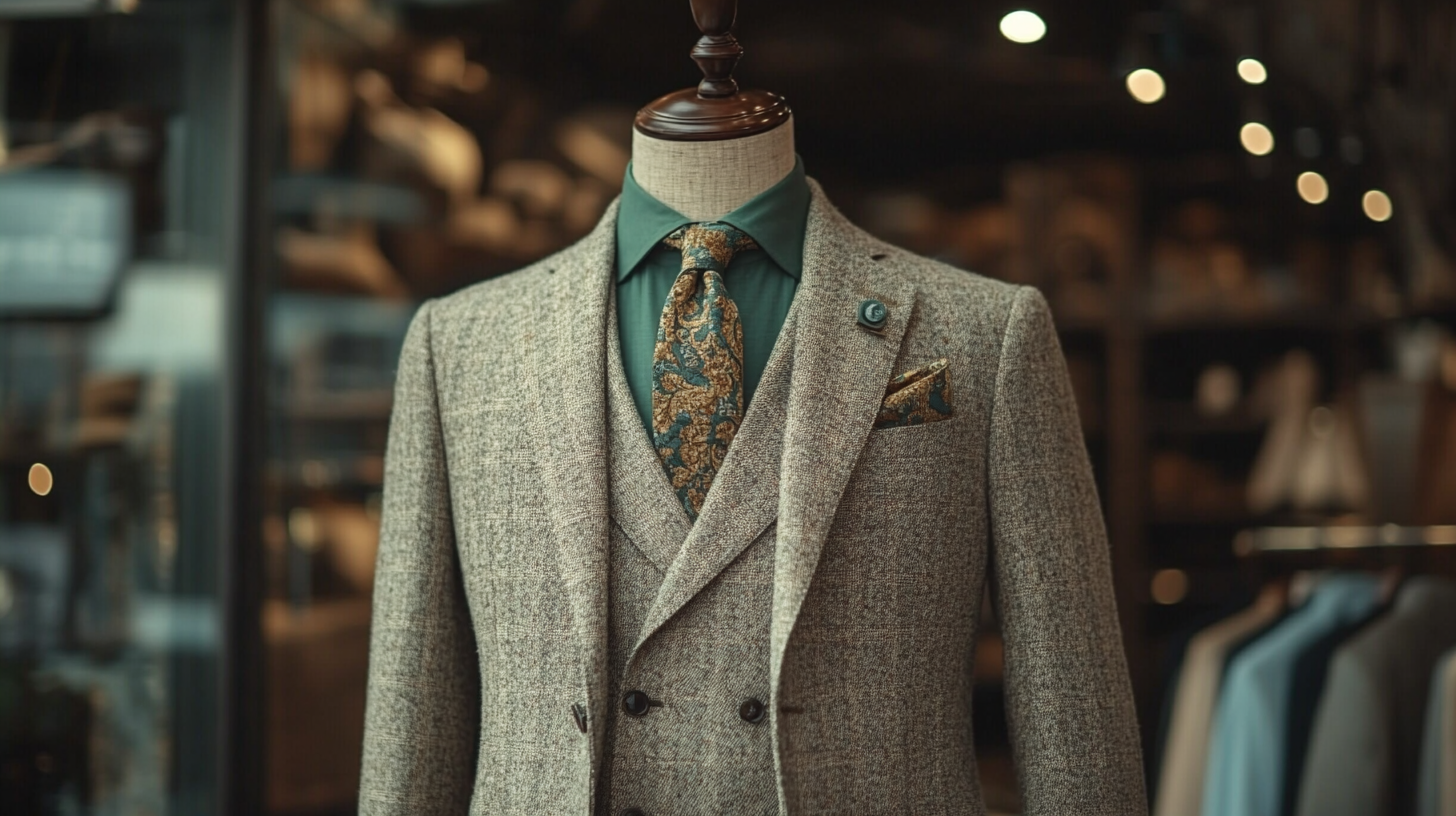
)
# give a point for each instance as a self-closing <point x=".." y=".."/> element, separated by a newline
<point x="718" y="51"/>
<point x="716" y="109"/>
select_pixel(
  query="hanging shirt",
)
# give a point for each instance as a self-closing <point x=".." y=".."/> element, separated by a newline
<point x="1180" y="788"/>
<point x="1364" y="758"/>
<point x="761" y="282"/>
<point x="1246" y="771"/>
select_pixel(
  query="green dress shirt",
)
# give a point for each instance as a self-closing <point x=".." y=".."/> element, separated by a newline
<point x="761" y="282"/>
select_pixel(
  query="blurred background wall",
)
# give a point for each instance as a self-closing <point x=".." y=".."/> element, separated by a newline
<point x="217" y="218"/>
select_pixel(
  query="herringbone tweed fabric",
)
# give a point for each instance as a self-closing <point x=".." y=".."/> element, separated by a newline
<point x="492" y="596"/>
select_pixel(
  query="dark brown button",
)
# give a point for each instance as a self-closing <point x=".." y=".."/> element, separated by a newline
<point x="752" y="711"/>
<point x="633" y="812"/>
<point x="636" y="703"/>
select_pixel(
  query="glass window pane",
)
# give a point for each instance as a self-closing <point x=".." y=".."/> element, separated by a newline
<point x="116" y="139"/>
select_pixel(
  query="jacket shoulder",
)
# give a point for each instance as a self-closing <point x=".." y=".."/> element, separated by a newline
<point x="500" y="296"/>
<point x="950" y="294"/>
<point x="938" y="278"/>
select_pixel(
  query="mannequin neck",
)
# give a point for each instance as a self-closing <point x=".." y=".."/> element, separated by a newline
<point x="707" y="180"/>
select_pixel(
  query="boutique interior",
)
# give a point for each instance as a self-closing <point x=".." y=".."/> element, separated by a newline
<point x="1243" y="215"/>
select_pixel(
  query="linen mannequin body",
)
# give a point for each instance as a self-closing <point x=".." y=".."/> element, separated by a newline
<point x="707" y="180"/>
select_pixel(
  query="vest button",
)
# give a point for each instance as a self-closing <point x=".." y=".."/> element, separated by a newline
<point x="636" y="703"/>
<point x="633" y="812"/>
<point x="752" y="711"/>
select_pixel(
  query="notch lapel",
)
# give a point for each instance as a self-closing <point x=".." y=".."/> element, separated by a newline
<point x="839" y="378"/>
<point x="567" y="352"/>
<point x="643" y="501"/>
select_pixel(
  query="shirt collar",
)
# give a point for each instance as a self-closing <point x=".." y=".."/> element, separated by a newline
<point x="775" y="219"/>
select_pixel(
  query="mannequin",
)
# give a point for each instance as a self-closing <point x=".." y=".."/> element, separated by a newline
<point x="707" y="180"/>
<point x="565" y="623"/>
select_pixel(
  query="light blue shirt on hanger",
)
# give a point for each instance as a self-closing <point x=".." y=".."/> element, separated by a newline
<point x="1246" y="756"/>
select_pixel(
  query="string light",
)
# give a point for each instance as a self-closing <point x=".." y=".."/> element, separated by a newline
<point x="1312" y="187"/>
<point x="1252" y="71"/>
<point x="1023" y="27"/>
<point x="1377" y="205"/>
<point x="1146" y="85"/>
<point x="1257" y="138"/>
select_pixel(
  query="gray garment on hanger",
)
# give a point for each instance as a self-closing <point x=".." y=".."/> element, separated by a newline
<point x="1365" y="746"/>
<point x="1438" y="752"/>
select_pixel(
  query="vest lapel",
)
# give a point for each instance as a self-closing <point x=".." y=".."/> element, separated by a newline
<point x="643" y="501"/>
<point x="839" y="378"/>
<point x="567" y="350"/>
<point x="743" y="500"/>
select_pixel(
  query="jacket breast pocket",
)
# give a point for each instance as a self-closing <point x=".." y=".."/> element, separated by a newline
<point x="912" y="482"/>
<point x="907" y="460"/>
<point x="906" y="550"/>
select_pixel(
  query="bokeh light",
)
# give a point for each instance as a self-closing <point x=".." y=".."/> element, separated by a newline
<point x="1146" y="85"/>
<point x="1252" y="71"/>
<point x="1023" y="27"/>
<point x="1169" y="586"/>
<point x="40" y="479"/>
<point x="1313" y="187"/>
<point x="1377" y="205"/>
<point x="1257" y="138"/>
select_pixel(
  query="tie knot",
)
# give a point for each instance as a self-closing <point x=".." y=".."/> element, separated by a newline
<point x="709" y="245"/>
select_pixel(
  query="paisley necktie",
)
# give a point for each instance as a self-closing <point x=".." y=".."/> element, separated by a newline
<point x="697" y="368"/>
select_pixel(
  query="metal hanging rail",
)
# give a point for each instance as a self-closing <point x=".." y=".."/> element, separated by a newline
<point x="1342" y="537"/>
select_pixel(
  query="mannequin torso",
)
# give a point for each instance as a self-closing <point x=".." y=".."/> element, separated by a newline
<point x="707" y="180"/>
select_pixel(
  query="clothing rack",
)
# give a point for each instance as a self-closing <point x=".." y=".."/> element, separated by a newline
<point x="1341" y="537"/>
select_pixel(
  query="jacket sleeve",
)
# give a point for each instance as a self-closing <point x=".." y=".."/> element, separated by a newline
<point x="1069" y="702"/>
<point x="422" y="717"/>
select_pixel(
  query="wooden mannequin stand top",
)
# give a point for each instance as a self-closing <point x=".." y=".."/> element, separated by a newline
<point x="716" y="109"/>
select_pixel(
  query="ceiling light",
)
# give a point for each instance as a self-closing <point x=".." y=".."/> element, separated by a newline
<point x="1312" y="187"/>
<point x="1023" y="27"/>
<point x="1377" y="205"/>
<point x="1257" y="138"/>
<point x="1252" y="71"/>
<point x="1146" y="85"/>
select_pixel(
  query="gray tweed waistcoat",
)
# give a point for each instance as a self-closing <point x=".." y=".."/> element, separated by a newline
<point x="694" y="753"/>
<point x="491" y="635"/>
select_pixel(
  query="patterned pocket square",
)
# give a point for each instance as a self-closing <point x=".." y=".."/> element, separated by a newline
<point x="916" y="397"/>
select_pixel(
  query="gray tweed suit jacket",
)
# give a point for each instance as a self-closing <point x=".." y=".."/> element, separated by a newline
<point x="489" y="670"/>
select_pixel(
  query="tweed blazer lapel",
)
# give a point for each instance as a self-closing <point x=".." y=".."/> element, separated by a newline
<point x="839" y="377"/>
<point x="567" y="353"/>
<point x="743" y="500"/>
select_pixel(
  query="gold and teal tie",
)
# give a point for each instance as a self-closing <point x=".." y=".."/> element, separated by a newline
<point x="697" y="366"/>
